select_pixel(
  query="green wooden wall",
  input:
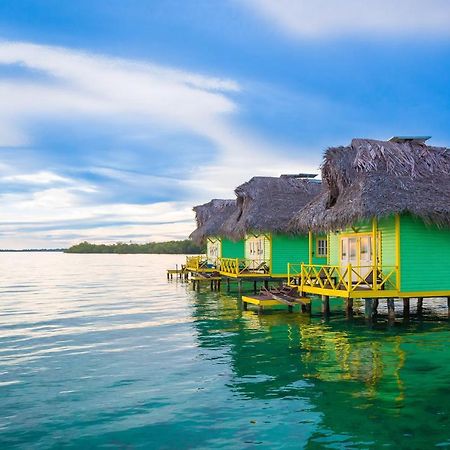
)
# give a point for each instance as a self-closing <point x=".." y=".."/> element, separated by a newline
<point x="288" y="249"/>
<point x="232" y="249"/>
<point x="386" y="230"/>
<point x="425" y="256"/>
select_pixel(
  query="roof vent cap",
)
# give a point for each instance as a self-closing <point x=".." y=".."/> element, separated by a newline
<point x="413" y="139"/>
<point x="299" y="175"/>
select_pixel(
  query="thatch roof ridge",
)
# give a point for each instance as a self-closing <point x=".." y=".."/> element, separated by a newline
<point x="371" y="178"/>
<point x="210" y="217"/>
<point x="266" y="204"/>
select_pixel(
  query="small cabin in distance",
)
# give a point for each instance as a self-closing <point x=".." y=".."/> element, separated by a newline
<point x="210" y="218"/>
<point x="265" y="205"/>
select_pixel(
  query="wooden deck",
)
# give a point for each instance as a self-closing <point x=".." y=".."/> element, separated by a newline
<point x="271" y="300"/>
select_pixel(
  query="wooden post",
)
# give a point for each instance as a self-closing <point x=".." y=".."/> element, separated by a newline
<point x="325" y="305"/>
<point x="245" y="306"/>
<point x="310" y="248"/>
<point x="193" y="285"/>
<point x="376" y="302"/>
<point x="228" y="285"/>
<point x="254" y="287"/>
<point x="419" y="306"/>
<point x="290" y="308"/>
<point x="391" y="308"/>
<point x="349" y="307"/>
<point x="406" y="307"/>
<point x="266" y="284"/>
<point x="368" y="308"/>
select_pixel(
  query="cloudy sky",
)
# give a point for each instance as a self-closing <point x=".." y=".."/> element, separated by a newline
<point x="117" y="116"/>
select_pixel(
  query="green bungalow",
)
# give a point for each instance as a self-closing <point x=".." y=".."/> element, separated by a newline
<point x="210" y="218"/>
<point x="265" y="205"/>
<point x="385" y="209"/>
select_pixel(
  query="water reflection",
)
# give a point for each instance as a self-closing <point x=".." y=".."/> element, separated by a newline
<point x="372" y="385"/>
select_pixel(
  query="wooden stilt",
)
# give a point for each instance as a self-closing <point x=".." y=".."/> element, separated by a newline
<point x="368" y="308"/>
<point x="245" y="306"/>
<point x="420" y="306"/>
<point x="391" y="308"/>
<point x="349" y="307"/>
<point x="254" y="287"/>
<point x="266" y="284"/>
<point x="228" y="285"/>
<point x="376" y="302"/>
<point x="325" y="305"/>
<point x="406" y="307"/>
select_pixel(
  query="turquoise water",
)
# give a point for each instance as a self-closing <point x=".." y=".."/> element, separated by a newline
<point x="100" y="351"/>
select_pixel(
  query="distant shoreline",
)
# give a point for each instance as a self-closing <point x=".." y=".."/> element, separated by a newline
<point x="185" y="247"/>
<point x="33" y="250"/>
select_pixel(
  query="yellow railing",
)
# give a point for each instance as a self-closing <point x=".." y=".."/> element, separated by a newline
<point x="343" y="278"/>
<point x="294" y="274"/>
<point x="195" y="263"/>
<point x="242" y="266"/>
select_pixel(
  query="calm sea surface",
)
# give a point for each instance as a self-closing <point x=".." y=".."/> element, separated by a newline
<point x="100" y="351"/>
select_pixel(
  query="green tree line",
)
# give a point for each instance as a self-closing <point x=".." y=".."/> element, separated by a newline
<point x="170" y="247"/>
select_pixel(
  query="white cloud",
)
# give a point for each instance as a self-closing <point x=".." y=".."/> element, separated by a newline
<point x="148" y="96"/>
<point x="38" y="178"/>
<point x="375" y="18"/>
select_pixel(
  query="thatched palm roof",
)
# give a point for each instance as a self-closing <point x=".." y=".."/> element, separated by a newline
<point x="210" y="218"/>
<point x="267" y="204"/>
<point x="376" y="178"/>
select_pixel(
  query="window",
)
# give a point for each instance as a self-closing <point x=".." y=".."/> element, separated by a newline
<point x="322" y="247"/>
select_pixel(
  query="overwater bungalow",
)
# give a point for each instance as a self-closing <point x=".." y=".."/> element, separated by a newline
<point x="210" y="218"/>
<point x="265" y="205"/>
<point x="385" y="209"/>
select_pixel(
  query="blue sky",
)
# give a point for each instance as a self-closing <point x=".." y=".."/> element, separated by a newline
<point x="116" y="117"/>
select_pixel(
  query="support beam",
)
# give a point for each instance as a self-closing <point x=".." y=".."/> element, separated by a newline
<point x="325" y="305"/>
<point x="420" y="306"/>
<point x="376" y="302"/>
<point x="406" y="307"/>
<point x="310" y="247"/>
<point x="391" y="308"/>
<point x="368" y="308"/>
<point x="349" y="307"/>
<point x="254" y="287"/>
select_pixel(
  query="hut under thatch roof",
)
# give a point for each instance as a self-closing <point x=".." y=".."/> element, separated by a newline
<point x="372" y="178"/>
<point x="210" y="218"/>
<point x="267" y="204"/>
<point x="385" y="207"/>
